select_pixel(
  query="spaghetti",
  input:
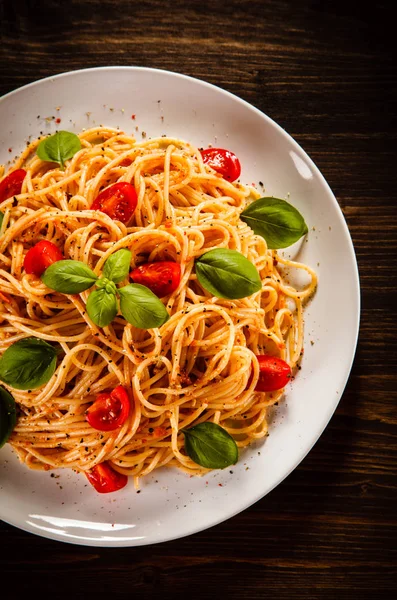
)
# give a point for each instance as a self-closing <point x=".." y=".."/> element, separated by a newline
<point x="201" y="365"/>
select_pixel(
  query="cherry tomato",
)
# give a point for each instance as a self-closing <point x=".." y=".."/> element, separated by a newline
<point x="274" y="373"/>
<point x="110" y="410"/>
<point x="105" y="479"/>
<point x="223" y="161"/>
<point x="12" y="184"/>
<point x="41" y="256"/>
<point x="162" y="277"/>
<point x="118" y="201"/>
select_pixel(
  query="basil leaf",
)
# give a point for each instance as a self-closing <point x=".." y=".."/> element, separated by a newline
<point x="28" y="364"/>
<point x="69" y="276"/>
<point x="102" y="307"/>
<point x="8" y="415"/>
<point x="117" y="266"/>
<point x="210" y="446"/>
<point x="275" y="220"/>
<point x="1" y="218"/>
<point x="104" y="282"/>
<point x="140" y="307"/>
<point x="59" y="147"/>
<point x="227" y="274"/>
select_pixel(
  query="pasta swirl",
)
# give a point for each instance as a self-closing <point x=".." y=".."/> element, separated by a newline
<point x="201" y="365"/>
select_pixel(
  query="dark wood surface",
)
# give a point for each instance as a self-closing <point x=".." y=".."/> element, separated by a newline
<point x="326" y="72"/>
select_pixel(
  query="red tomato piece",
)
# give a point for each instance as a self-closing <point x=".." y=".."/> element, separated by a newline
<point x="223" y="161"/>
<point x="105" y="479"/>
<point x="274" y="373"/>
<point x="126" y="162"/>
<point x="12" y="184"/>
<point x="110" y="410"/>
<point x="118" y="201"/>
<point x="162" y="277"/>
<point x="41" y="256"/>
<point x="159" y="432"/>
<point x="5" y="298"/>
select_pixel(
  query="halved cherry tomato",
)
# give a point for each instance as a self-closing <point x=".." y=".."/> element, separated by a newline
<point x="41" y="256"/>
<point x="105" y="479"/>
<point x="12" y="184"/>
<point x="274" y="373"/>
<point x="110" y="410"/>
<point x="223" y="161"/>
<point x="118" y="201"/>
<point x="162" y="277"/>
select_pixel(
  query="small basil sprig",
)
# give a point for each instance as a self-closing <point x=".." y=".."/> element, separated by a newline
<point x="210" y="446"/>
<point x="227" y="274"/>
<point x="28" y="364"/>
<point x="59" y="147"/>
<point x="8" y="415"/>
<point x="277" y="221"/>
<point x="138" y="305"/>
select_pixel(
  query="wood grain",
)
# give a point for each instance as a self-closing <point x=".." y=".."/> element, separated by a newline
<point x="326" y="72"/>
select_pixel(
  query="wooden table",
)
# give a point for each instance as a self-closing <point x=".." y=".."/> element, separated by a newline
<point x="325" y="72"/>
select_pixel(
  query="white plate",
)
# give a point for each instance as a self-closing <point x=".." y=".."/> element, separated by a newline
<point x="172" y="505"/>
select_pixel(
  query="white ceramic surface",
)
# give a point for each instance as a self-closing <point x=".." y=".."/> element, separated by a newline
<point x="170" y="504"/>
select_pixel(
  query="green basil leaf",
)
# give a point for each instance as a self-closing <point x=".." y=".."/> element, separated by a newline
<point x="59" y="147"/>
<point x="1" y="218"/>
<point x="104" y="282"/>
<point x="227" y="274"/>
<point x="280" y="223"/>
<point x="102" y="307"/>
<point x="140" y="307"/>
<point x="69" y="276"/>
<point x="8" y="415"/>
<point x="28" y="364"/>
<point x="210" y="446"/>
<point x="117" y="266"/>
